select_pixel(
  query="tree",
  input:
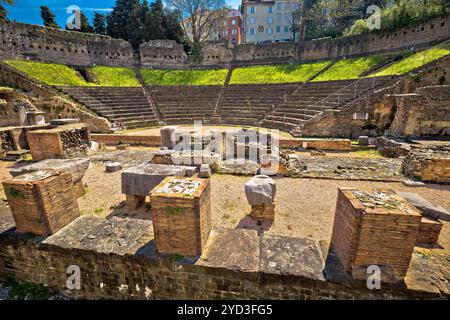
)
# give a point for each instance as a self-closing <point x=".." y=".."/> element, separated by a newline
<point x="85" y="26"/>
<point x="3" y="12"/>
<point x="99" y="23"/>
<point x="302" y="16"/>
<point x="154" y="28"/>
<point x="48" y="17"/>
<point x="124" y="22"/>
<point x="199" y="19"/>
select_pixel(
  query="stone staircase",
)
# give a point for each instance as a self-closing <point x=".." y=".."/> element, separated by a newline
<point x="312" y="98"/>
<point x="127" y="106"/>
<point x="185" y="104"/>
<point x="249" y="104"/>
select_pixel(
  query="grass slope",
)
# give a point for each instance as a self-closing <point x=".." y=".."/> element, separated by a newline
<point x="115" y="77"/>
<point x="414" y="61"/>
<point x="349" y="68"/>
<point x="49" y="73"/>
<point x="184" y="77"/>
<point x="277" y="74"/>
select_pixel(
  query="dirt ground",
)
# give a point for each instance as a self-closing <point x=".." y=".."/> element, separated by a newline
<point x="304" y="207"/>
<point x="155" y="131"/>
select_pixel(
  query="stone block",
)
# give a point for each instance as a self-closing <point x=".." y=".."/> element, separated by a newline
<point x="140" y="180"/>
<point x="363" y="140"/>
<point x="123" y="147"/>
<point x="205" y="171"/>
<point x="427" y="208"/>
<point x="291" y="256"/>
<point x="181" y="211"/>
<point x="235" y="249"/>
<point x="113" y="166"/>
<point x="76" y="167"/>
<point x="42" y="202"/>
<point x="135" y="202"/>
<point x="260" y="190"/>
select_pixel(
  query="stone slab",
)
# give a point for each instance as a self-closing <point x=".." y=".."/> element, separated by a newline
<point x="235" y="249"/>
<point x="140" y="180"/>
<point x="115" y="235"/>
<point x="291" y="256"/>
<point x="59" y="122"/>
<point x="77" y="167"/>
<point x="428" y="209"/>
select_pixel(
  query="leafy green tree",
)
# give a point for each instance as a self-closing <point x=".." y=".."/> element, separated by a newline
<point x="124" y="22"/>
<point x="99" y="23"/>
<point x="3" y="12"/>
<point x="85" y="26"/>
<point x="48" y="17"/>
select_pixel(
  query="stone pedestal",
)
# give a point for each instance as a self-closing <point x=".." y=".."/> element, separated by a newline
<point x="363" y="141"/>
<point x="375" y="228"/>
<point x="260" y="192"/>
<point x="42" y="202"/>
<point x="181" y="211"/>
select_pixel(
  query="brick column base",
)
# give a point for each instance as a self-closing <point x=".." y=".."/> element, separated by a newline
<point x="135" y="202"/>
<point x="263" y="212"/>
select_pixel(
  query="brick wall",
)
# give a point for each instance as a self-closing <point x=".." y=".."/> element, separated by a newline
<point x="106" y="275"/>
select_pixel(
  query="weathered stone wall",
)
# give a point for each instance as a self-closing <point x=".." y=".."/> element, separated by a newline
<point x="416" y="105"/>
<point x="424" y="113"/>
<point x="414" y="36"/>
<point x="162" y="53"/>
<point x="74" y="48"/>
<point x="117" y="260"/>
<point x="429" y="165"/>
<point x="45" y="99"/>
<point x="20" y="40"/>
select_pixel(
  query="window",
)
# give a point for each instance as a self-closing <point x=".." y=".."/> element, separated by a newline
<point x="225" y="23"/>
<point x="252" y="31"/>
<point x="224" y="32"/>
<point x="286" y="29"/>
<point x="269" y="9"/>
<point x="252" y="10"/>
<point x="252" y="20"/>
<point x="279" y="6"/>
<point x="233" y="22"/>
<point x="260" y="28"/>
<point x="269" y="31"/>
<point x="234" y="31"/>
<point x="269" y="20"/>
<point x="278" y="28"/>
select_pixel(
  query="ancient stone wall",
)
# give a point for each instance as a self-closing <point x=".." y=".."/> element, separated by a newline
<point x="414" y="36"/>
<point x="20" y="40"/>
<point x="74" y="48"/>
<point x="162" y="53"/>
<point x="117" y="260"/>
<point x="424" y="113"/>
<point x="415" y="105"/>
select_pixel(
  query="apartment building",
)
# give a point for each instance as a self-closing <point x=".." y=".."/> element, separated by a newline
<point x="268" y="20"/>
<point x="231" y="27"/>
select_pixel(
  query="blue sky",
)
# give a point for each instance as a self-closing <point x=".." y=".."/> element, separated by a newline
<point x="28" y="10"/>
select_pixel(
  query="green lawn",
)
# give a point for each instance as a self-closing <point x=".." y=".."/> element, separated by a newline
<point x="184" y="77"/>
<point x="277" y="74"/>
<point x="49" y="73"/>
<point x="115" y="77"/>
<point x="349" y="68"/>
<point x="414" y="61"/>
